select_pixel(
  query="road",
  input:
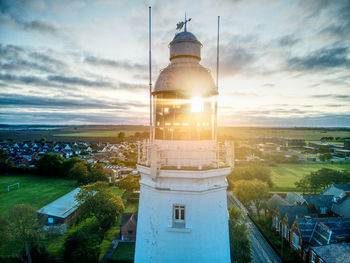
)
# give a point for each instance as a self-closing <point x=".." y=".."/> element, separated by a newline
<point x="262" y="252"/>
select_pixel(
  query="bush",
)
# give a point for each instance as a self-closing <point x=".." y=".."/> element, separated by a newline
<point x="83" y="244"/>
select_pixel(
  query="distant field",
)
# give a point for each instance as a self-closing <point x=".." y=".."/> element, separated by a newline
<point x="36" y="191"/>
<point x="97" y="133"/>
<point x="109" y="133"/>
<point x="285" y="175"/>
<point x="307" y="134"/>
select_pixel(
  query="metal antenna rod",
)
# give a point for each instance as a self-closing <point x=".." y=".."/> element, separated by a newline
<point x="185" y="21"/>
<point x="150" y="76"/>
<point x="217" y="56"/>
<point x="217" y="81"/>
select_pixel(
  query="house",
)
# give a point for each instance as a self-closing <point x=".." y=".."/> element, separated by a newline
<point x="276" y="201"/>
<point x="60" y="212"/>
<point x="342" y="207"/>
<point x="338" y="190"/>
<point x="332" y="253"/>
<point x="285" y="216"/>
<point x="321" y="204"/>
<point x="128" y="226"/>
<point x="307" y="231"/>
<point x="294" y="199"/>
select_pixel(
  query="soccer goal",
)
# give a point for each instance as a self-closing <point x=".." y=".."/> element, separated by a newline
<point x="13" y="187"/>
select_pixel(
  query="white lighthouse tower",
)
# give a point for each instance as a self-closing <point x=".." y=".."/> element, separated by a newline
<point x="182" y="213"/>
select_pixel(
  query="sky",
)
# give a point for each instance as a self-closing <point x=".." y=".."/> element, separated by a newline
<point x="282" y="63"/>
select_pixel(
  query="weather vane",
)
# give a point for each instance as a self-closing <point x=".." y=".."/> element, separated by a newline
<point x="180" y="25"/>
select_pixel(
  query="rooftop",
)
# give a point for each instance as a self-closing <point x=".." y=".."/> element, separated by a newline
<point x="63" y="206"/>
<point x="337" y="253"/>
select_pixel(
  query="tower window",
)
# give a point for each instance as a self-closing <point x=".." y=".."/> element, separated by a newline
<point x="178" y="216"/>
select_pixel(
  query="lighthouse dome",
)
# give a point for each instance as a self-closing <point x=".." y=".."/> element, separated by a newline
<point x="185" y="44"/>
<point x="185" y="74"/>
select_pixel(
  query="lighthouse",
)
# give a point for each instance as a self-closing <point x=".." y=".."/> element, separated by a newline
<point x="182" y="214"/>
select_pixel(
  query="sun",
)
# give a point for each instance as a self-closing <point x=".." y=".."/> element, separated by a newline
<point x="196" y="104"/>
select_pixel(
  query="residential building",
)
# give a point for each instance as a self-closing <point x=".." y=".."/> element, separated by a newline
<point x="128" y="226"/>
<point x="60" y="212"/>
<point x="332" y="253"/>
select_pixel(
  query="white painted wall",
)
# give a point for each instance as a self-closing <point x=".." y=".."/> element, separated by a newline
<point x="205" y="237"/>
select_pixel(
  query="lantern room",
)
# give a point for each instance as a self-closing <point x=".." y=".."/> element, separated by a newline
<point x="185" y="95"/>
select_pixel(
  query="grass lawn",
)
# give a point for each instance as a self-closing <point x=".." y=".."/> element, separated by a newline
<point x="124" y="252"/>
<point x="285" y="175"/>
<point x="36" y="191"/>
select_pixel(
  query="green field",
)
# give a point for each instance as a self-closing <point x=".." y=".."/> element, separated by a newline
<point x="124" y="252"/>
<point x="109" y="133"/>
<point x="285" y="175"/>
<point x="36" y="191"/>
<point x="296" y="133"/>
<point x="97" y="134"/>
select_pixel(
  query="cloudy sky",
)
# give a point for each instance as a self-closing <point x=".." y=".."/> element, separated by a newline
<point x="284" y="63"/>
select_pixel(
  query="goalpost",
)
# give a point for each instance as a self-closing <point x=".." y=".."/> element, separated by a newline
<point x="13" y="185"/>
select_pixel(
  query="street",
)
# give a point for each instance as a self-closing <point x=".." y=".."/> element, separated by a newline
<point x="262" y="252"/>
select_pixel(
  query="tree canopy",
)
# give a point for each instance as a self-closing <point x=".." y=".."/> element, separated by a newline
<point x="251" y="191"/>
<point x="23" y="230"/>
<point x="239" y="237"/>
<point x="251" y="172"/>
<point x="83" y="245"/>
<point x="322" y="178"/>
<point x="98" y="200"/>
<point x="50" y="165"/>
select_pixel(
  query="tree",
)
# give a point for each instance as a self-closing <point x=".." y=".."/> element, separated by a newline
<point x="130" y="183"/>
<point x="97" y="173"/>
<point x="5" y="164"/>
<point x="251" y="191"/>
<point x="83" y="245"/>
<point x="251" y="172"/>
<point x="121" y="135"/>
<point x="69" y="163"/>
<point x="239" y="237"/>
<point x="24" y="230"/>
<point x="42" y="141"/>
<point x="50" y="165"/>
<point x="79" y="172"/>
<point x="98" y="200"/>
<point x="325" y="157"/>
<point x="323" y="178"/>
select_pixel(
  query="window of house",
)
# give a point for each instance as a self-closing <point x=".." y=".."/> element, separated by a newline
<point x="179" y="216"/>
<point x="313" y="257"/>
<point x="323" y="210"/>
<point x="130" y="232"/>
<point x="285" y="231"/>
<point x="295" y="241"/>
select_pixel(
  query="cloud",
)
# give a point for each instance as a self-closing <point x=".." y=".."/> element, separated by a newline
<point x="42" y="27"/>
<point x="27" y="80"/>
<point x="18" y="100"/>
<point x="66" y="118"/>
<point x="17" y="12"/>
<point x="288" y="40"/>
<point x="16" y="58"/>
<point x="320" y="60"/>
<point x="92" y="60"/>
<point x="268" y="85"/>
<point x="334" y="96"/>
<point x="79" y="81"/>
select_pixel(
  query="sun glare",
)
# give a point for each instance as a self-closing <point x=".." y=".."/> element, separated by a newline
<point x="196" y="104"/>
